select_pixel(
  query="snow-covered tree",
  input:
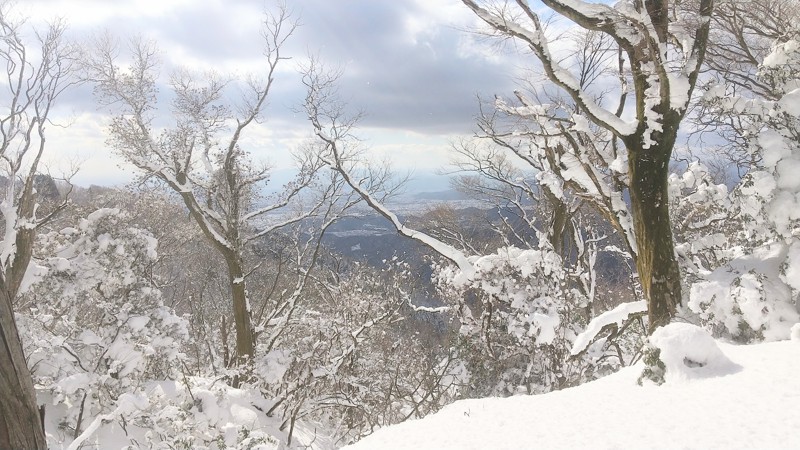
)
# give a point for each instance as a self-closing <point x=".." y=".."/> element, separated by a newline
<point x="742" y="35"/>
<point x="214" y="179"/>
<point x="753" y="293"/>
<point x="661" y="46"/>
<point x="535" y="303"/>
<point x="112" y="361"/>
<point x="201" y="156"/>
<point x="579" y="147"/>
<point x="38" y="68"/>
<point x="521" y="315"/>
<point x="322" y="328"/>
<point x="93" y="321"/>
<point x="351" y="361"/>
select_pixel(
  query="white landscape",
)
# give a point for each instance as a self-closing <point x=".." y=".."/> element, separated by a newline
<point x="722" y="396"/>
<point x="737" y="397"/>
<point x="210" y="239"/>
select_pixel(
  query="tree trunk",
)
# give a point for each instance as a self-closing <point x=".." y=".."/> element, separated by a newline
<point x="655" y="262"/>
<point x="20" y="423"/>
<point x="560" y="235"/>
<point x="245" y="336"/>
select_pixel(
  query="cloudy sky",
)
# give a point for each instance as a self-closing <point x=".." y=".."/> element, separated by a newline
<point x="410" y="65"/>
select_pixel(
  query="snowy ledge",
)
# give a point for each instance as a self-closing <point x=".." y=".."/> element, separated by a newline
<point x="753" y="405"/>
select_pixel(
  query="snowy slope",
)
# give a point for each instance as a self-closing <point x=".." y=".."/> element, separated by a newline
<point x="752" y="403"/>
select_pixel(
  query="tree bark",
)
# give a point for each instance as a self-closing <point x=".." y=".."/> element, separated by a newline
<point x="656" y="263"/>
<point x="245" y="334"/>
<point x="559" y="230"/>
<point x="245" y="337"/>
<point x="20" y="424"/>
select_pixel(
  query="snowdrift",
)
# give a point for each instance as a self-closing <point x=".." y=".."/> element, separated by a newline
<point x="716" y="396"/>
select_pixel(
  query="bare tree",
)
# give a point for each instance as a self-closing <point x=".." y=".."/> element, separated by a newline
<point x="200" y="157"/>
<point x="743" y="33"/>
<point x="334" y="128"/>
<point x="33" y="79"/>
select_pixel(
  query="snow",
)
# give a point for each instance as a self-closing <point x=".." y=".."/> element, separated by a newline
<point x="8" y="246"/>
<point x="33" y="275"/>
<point x="98" y="215"/>
<point x="688" y="351"/>
<point x="791" y="268"/>
<point x="787" y="170"/>
<point x="750" y="402"/>
<point x="138" y="323"/>
<point x="775" y="149"/>
<point x="581" y="123"/>
<point x="780" y="54"/>
<point x="791" y="102"/>
<point x="620" y="164"/>
<point x="750" y="292"/>
<point x="197" y="413"/>
<point x="127" y="402"/>
<point x="617" y="315"/>
<point x="576" y="171"/>
<point x="679" y="88"/>
<point x="430" y="309"/>
<point x="547" y="178"/>
<point x="274" y="365"/>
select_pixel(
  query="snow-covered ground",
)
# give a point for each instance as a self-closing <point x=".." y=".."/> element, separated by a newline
<point x="748" y="397"/>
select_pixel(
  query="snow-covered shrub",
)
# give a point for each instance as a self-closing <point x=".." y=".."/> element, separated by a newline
<point x="520" y="310"/>
<point x="768" y="198"/>
<point x="734" y="281"/>
<point x="354" y="360"/>
<point x="701" y="217"/>
<point x="202" y="413"/>
<point x="681" y="351"/>
<point x="750" y="298"/>
<point x="751" y="292"/>
<point x="192" y="413"/>
<point x="92" y="320"/>
<point x="654" y="368"/>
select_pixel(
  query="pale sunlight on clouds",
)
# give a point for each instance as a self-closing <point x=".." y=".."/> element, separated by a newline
<point x="411" y="66"/>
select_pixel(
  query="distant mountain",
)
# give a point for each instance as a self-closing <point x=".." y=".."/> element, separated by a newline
<point x="447" y="195"/>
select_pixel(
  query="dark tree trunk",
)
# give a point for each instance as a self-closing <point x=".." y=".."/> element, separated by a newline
<point x="560" y="232"/>
<point x="245" y="337"/>
<point x="656" y="263"/>
<point x="245" y="334"/>
<point x="20" y="424"/>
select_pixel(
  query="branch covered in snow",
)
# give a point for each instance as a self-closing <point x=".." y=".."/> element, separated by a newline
<point x="616" y="316"/>
<point x="333" y="129"/>
<point x="539" y="43"/>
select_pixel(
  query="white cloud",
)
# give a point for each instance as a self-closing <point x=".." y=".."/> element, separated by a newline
<point x="408" y="64"/>
<point x="85" y="13"/>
